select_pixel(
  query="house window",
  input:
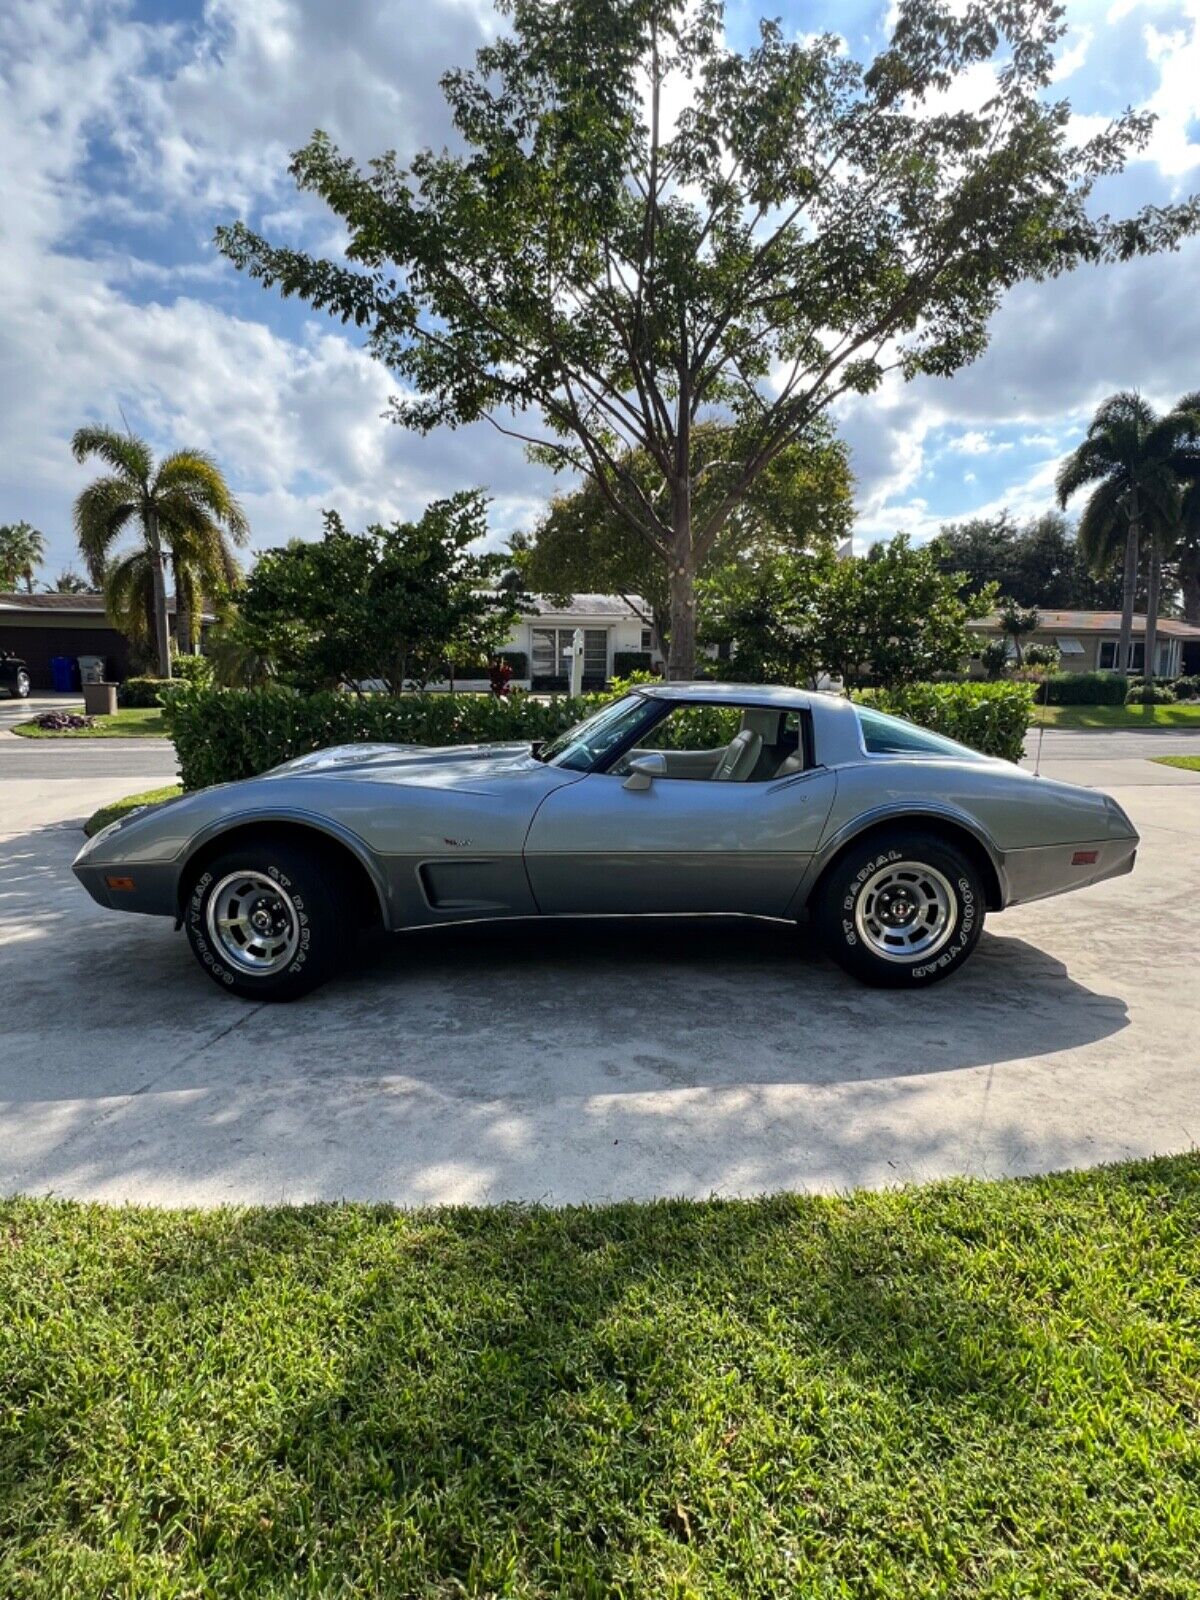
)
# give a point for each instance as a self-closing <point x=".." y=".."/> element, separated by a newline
<point x="1162" y="653"/>
<point x="1069" y="647"/>
<point x="647" y="639"/>
<point x="549" y="647"/>
<point x="1108" y="655"/>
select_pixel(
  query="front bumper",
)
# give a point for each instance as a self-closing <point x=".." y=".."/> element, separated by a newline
<point x="148" y="887"/>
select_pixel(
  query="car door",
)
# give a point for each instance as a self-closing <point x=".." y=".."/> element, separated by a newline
<point x="681" y="845"/>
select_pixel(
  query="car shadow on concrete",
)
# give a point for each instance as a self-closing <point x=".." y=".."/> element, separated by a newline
<point x="569" y="1006"/>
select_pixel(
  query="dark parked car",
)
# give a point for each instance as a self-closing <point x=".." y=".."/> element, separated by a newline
<point x="14" y="676"/>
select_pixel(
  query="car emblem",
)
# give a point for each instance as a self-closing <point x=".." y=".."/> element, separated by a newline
<point x="457" y="843"/>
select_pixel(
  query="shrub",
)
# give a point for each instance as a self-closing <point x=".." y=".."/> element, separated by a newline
<point x="499" y="673"/>
<point x="1042" y="655"/>
<point x="517" y="660"/>
<point x="1085" y="689"/>
<point x="224" y="734"/>
<point x="1150" y="694"/>
<point x="627" y="662"/>
<point x="141" y="692"/>
<point x="994" y="658"/>
<point x="1187" y="688"/>
<point x="192" y="669"/>
<point x="990" y="717"/>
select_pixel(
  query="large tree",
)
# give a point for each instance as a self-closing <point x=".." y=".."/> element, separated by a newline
<point x="1138" y="464"/>
<point x="1035" y="563"/>
<point x="22" y="548"/>
<point x="802" y="503"/>
<point x="596" y="277"/>
<point x="183" y="511"/>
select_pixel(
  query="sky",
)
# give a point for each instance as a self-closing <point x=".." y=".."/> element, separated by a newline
<point x="129" y="129"/>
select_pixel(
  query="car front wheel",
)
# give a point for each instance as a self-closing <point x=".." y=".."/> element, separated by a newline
<point x="902" y="911"/>
<point x="266" y="922"/>
<point x="22" y="686"/>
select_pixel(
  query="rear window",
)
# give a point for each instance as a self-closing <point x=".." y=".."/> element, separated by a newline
<point x="892" y="736"/>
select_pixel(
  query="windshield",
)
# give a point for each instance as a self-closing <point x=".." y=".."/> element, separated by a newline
<point x="892" y="736"/>
<point x="588" y="742"/>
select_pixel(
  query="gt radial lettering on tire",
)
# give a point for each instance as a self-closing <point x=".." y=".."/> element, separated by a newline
<point x="266" y="921"/>
<point x="901" y="913"/>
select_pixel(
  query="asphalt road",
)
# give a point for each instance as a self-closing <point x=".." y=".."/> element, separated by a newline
<point x="1069" y="744"/>
<point x="581" y="1061"/>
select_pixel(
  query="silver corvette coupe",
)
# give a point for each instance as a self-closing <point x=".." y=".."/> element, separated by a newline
<point x="675" y="799"/>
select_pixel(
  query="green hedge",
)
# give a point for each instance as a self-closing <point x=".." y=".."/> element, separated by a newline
<point x="991" y="717"/>
<point x="224" y="734"/>
<point x="1086" y="688"/>
<point x="141" y="692"/>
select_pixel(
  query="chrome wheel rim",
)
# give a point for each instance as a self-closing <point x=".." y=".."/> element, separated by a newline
<point x="23" y="685"/>
<point x="254" y="923"/>
<point x="905" y="910"/>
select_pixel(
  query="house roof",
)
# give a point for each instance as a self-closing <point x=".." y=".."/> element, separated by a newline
<point x="37" y="606"/>
<point x="589" y="605"/>
<point x="1095" y="622"/>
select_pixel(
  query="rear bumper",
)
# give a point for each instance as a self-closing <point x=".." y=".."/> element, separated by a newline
<point x="1052" y="869"/>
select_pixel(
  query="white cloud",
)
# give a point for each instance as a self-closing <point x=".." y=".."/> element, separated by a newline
<point x="295" y="420"/>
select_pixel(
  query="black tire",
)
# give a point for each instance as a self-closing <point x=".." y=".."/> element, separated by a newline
<point x="912" y="894"/>
<point x="298" y="889"/>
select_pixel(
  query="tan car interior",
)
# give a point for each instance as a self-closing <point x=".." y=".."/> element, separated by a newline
<point x="767" y="745"/>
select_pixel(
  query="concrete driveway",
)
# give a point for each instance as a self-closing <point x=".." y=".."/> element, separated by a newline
<point x="582" y="1061"/>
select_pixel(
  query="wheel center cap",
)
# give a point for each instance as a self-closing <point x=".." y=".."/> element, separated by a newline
<point x="260" y="920"/>
<point x="896" y="908"/>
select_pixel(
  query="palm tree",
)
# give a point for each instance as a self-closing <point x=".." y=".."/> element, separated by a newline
<point x="184" y="511"/>
<point x="1187" y="552"/>
<point x="1137" y="461"/>
<point x="21" y="549"/>
<point x="69" y="582"/>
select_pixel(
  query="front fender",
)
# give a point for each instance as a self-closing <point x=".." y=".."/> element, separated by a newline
<point x="295" y="816"/>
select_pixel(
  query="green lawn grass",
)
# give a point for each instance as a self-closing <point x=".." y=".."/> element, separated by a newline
<point x="1184" y="715"/>
<point x="118" y="808"/>
<point x="132" y="722"/>
<point x="971" y="1389"/>
<point x="1188" y="763"/>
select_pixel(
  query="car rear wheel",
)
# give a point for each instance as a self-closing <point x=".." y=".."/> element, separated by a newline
<point x="266" y="921"/>
<point x="903" y="910"/>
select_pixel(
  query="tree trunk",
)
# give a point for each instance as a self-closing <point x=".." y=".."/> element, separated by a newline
<point x="1129" y="587"/>
<point x="183" y="613"/>
<point x="681" y="589"/>
<point x="162" y="638"/>
<point x="1189" y="583"/>
<point x="1152" y="591"/>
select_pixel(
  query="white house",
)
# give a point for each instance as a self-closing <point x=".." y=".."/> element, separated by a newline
<point x="611" y="624"/>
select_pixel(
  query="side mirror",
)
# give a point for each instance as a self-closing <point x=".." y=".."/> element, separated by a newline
<point x="644" y="769"/>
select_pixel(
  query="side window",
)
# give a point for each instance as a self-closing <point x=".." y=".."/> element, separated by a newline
<point x="724" y="744"/>
<point x="692" y="739"/>
<point x="892" y="736"/>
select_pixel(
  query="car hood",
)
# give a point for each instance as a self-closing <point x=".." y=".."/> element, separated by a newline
<point x="443" y="765"/>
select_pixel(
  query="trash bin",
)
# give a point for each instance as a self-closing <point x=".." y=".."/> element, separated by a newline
<point x="60" y="674"/>
<point x="91" y="669"/>
<point x="100" y="699"/>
